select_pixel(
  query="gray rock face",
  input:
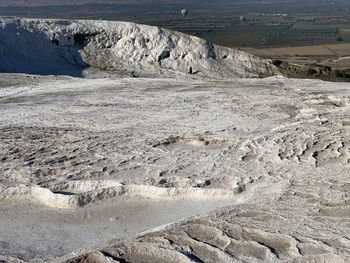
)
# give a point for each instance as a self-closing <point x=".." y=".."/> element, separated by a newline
<point x="68" y="47"/>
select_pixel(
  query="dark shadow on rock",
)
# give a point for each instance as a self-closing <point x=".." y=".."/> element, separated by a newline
<point x="22" y="51"/>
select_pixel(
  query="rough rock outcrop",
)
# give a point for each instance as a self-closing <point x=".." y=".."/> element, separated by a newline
<point x="62" y="47"/>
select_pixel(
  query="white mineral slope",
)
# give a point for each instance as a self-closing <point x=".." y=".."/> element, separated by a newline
<point x="84" y="161"/>
<point x="62" y="47"/>
<point x="294" y="133"/>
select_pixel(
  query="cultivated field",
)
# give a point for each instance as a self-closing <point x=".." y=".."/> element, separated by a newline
<point x="291" y="23"/>
<point x="316" y="51"/>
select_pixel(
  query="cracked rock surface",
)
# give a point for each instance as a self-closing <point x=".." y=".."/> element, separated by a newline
<point x="251" y="170"/>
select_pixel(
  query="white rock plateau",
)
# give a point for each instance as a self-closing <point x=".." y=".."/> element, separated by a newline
<point x="67" y="47"/>
<point x="208" y="166"/>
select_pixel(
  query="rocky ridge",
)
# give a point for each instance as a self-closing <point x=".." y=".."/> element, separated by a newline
<point x="62" y="47"/>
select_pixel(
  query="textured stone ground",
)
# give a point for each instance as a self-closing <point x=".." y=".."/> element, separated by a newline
<point x="110" y="158"/>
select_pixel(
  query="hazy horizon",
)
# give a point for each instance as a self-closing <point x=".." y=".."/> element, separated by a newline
<point x="271" y="23"/>
<point x="129" y="7"/>
<point x="254" y="4"/>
